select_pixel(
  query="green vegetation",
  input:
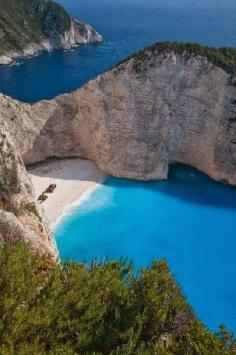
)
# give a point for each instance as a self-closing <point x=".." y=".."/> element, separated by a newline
<point x="31" y="207"/>
<point x="100" y="309"/>
<point x="224" y="58"/>
<point x="26" y="21"/>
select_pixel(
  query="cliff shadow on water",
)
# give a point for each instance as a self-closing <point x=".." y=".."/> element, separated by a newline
<point x="187" y="184"/>
<point x="189" y="220"/>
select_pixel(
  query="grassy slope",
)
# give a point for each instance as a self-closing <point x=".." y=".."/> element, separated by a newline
<point x="225" y="57"/>
<point x="26" y="21"/>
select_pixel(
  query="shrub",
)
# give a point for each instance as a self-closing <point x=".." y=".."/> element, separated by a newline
<point x="97" y="309"/>
<point x="31" y="207"/>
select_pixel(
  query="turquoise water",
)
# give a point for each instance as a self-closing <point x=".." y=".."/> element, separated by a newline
<point x="188" y="220"/>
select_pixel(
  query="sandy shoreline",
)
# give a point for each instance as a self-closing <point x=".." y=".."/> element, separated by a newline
<point x="76" y="179"/>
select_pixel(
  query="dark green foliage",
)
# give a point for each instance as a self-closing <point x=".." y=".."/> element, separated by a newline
<point x="224" y="58"/>
<point x="26" y="21"/>
<point x="30" y="207"/>
<point x="101" y="309"/>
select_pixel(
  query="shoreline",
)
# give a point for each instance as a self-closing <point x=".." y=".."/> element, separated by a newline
<point x="75" y="179"/>
<point x="70" y="207"/>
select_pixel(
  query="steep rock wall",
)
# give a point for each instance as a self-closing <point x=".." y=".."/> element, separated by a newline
<point x="135" y="122"/>
<point x="21" y="217"/>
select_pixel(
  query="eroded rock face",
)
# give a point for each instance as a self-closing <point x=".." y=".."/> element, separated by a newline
<point x="135" y="122"/>
<point x="84" y="33"/>
<point x="21" y="217"/>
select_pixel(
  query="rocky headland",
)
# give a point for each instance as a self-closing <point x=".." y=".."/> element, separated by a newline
<point x="170" y="103"/>
<point x="30" y="27"/>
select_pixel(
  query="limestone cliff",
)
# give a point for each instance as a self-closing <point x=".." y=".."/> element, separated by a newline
<point x="134" y="121"/>
<point x="165" y="105"/>
<point x="20" y="215"/>
<point x="29" y="27"/>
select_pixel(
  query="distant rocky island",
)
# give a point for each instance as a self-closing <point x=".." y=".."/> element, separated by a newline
<point x="28" y="27"/>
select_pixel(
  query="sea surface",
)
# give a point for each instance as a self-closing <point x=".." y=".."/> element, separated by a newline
<point x="189" y="219"/>
<point x="127" y="26"/>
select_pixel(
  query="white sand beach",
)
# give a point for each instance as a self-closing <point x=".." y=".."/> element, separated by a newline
<point x="76" y="179"/>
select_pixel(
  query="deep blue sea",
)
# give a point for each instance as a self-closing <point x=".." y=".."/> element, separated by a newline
<point x="189" y="219"/>
<point x="127" y="26"/>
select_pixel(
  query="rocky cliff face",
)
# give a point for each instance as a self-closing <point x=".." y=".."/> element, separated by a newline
<point x="84" y="33"/>
<point x="29" y="27"/>
<point x="138" y="118"/>
<point x="160" y="107"/>
<point x="20" y="215"/>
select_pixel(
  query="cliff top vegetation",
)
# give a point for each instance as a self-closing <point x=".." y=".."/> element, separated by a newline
<point x="224" y="57"/>
<point x="29" y="21"/>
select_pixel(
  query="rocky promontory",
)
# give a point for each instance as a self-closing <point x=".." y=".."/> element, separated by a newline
<point x="30" y="27"/>
<point x="160" y="107"/>
<point x="168" y="104"/>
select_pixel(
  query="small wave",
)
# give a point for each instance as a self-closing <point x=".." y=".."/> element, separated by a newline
<point x="84" y="204"/>
<point x="103" y="198"/>
<point x="15" y="64"/>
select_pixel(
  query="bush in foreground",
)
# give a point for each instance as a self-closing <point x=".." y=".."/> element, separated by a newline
<point x="101" y="309"/>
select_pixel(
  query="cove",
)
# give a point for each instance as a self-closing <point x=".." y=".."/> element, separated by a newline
<point x="189" y="220"/>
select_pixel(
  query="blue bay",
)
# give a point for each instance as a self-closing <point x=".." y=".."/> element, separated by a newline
<point x="188" y="220"/>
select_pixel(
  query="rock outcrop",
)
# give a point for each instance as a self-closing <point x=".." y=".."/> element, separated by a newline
<point x="160" y="107"/>
<point x="20" y="215"/>
<point x="30" y="27"/>
<point x="137" y="119"/>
